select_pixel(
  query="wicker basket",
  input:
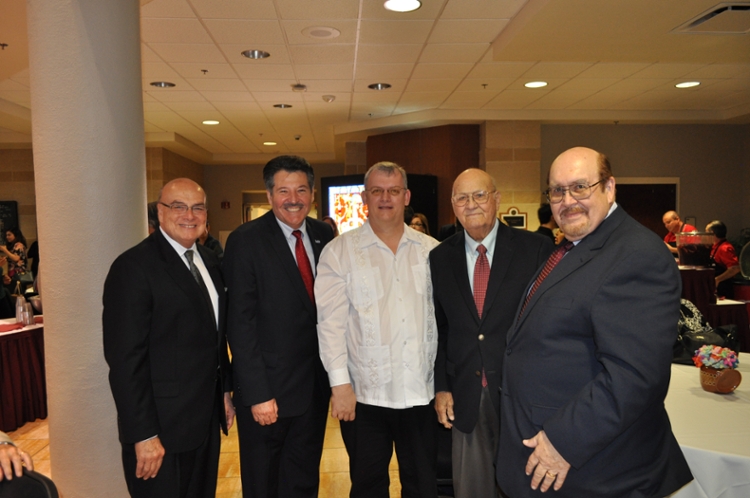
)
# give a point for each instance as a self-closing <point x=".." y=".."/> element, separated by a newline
<point x="722" y="381"/>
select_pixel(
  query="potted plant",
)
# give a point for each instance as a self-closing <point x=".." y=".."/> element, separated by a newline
<point x="717" y="364"/>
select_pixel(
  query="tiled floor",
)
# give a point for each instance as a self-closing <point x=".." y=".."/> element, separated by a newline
<point x="334" y="466"/>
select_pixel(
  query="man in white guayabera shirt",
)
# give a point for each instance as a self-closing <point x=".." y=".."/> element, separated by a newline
<point x="378" y="340"/>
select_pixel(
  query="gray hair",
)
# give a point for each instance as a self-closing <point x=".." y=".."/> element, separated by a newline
<point x="388" y="168"/>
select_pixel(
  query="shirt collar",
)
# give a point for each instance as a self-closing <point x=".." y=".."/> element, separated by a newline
<point x="288" y="230"/>
<point x="176" y="245"/>
<point x="488" y="242"/>
<point x="368" y="237"/>
<point x="611" y="210"/>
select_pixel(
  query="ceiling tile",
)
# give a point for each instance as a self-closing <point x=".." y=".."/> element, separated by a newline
<point x="277" y="98"/>
<point x="480" y="97"/>
<point x="384" y="72"/>
<point x="217" y="85"/>
<point x="559" y="99"/>
<point x="430" y="71"/>
<point x="191" y="106"/>
<point x="235" y="9"/>
<point x="148" y="55"/>
<point x="233" y="53"/>
<point x="592" y="84"/>
<point x="319" y="9"/>
<point x="456" y="104"/>
<point x="397" y="86"/>
<point x="639" y="84"/>
<point x="381" y="97"/>
<point x="467" y="31"/>
<point x="154" y="106"/>
<point x="385" y="54"/>
<point x="254" y="34"/>
<point x="158" y="71"/>
<point x="432" y="85"/>
<point x="613" y="69"/>
<point x="265" y="71"/>
<point x="453" y="52"/>
<point x="190" y="70"/>
<point x="500" y="69"/>
<point x="162" y="30"/>
<point x="375" y="10"/>
<point x="294" y="36"/>
<point x="720" y="71"/>
<point x="180" y="84"/>
<point x="236" y="106"/>
<point x="414" y="97"/>
<point x="398" y="32"/>
<point x="172" y="95"/>
<point x="255" y="85"/>
<point x="513" y="99"/>
<point x="228" y="96"/>
<point x="481" y="9"/>
<point x="10" y="85"/>
<point x="324" y="71"/>
<point x="328" y="86"/>
<point x="547" y="70"/>
<point x="188" y="52"/>
<point x="661" y="70"/>
<point x="494" y="85"/>
<point x="322" y="54"/>
<point x="166" y="8"/>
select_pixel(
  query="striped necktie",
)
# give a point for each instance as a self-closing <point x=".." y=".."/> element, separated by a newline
<point x="554" y="258"/>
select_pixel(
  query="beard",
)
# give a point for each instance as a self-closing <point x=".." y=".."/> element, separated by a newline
<point x="574" y="230"/>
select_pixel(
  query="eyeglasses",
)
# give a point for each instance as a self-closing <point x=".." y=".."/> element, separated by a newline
<point x="416" y="224"/>
<point x="579" y="192"/>
<point x="179" y="208"/>
<point x="480" y="197"/>
<point x="378" y="192"/>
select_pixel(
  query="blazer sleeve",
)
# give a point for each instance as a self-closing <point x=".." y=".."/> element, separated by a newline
<point x="126" y="320"/>
<point x="633" y="315"/>
<point x="240" y="275"/>
<point x="441" y="376"/>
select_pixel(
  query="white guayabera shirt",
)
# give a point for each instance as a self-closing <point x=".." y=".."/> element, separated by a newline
<point x="376" y="320"/>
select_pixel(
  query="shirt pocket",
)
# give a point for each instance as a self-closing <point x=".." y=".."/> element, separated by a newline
<point x="375" y="366"/>
<point x="419" y="272"/>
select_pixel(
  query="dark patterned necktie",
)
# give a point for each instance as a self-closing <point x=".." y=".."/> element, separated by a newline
<point x="199" y="278"/>
<point x="481" y="278"/>
<point x="554" y="258"/>
<point x="303" y="263"/>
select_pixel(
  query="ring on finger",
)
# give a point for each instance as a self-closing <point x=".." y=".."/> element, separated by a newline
<point x="551" y="475"/>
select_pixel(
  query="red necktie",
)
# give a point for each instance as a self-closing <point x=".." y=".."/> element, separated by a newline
<point x="481" y="278"/>
<point x="554" y="258"/>
<point x="303" y="263"/>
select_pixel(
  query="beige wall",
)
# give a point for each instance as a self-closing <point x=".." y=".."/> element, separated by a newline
<point x="17" y="184"/>
<point x="711" y="161"/>
<point x="163" y="166"/>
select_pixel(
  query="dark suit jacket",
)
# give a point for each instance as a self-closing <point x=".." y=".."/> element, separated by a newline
<point x="272" y="321"/>
<point x="589" y="362"/>
<point x="166" y="358"/>
<point x="467" y="344"/>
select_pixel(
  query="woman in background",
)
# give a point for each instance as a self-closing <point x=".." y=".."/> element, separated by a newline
<point x="419" y="223"/>
<point x="15" y="252"/>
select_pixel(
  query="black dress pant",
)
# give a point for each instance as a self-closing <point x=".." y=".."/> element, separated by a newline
<point x="369" y="441"/>
<point x="191" y="474"/>
<point x="283" y="459"/>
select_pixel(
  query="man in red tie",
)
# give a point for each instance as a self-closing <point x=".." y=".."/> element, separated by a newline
<point x="588" y="359"/>
<point x="479" y="277"/>
<point x="281" y="390"/>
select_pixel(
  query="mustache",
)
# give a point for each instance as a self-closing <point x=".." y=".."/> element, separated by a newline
<point x="288" y="205"/>
<point x="572" y="210"/>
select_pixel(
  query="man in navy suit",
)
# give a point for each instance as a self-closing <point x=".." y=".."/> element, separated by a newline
<point x="588" y="359"/>
<point x="471" y="344"/>
<point x="164" y="341"/>
<point x="281" y="390"/>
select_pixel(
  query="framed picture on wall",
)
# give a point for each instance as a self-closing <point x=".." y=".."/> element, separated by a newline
<point x="514" y="218"/>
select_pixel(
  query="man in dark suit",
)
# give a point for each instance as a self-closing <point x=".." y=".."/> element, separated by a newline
<point x="471" y="343"/>
<point x="588" y="360"/>
<point x="546" y="222"/>
<point x="163" y="340"/>
<point x="281" y="388"/>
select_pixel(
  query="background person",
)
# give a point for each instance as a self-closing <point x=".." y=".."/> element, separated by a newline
<point x="478" y="280"/>
<point x="588" y="359"/>
<point x="419" y="223"/>
<point x="546" y="222"/>
<point x="378" y="341"/>
<point x="281" y="389"/>
<point x="674" y="225"/>
<point x="723" y="259"/>
<point x="15" y="252"/>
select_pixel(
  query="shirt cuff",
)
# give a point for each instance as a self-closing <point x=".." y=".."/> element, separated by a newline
<point x="339" y="377"/>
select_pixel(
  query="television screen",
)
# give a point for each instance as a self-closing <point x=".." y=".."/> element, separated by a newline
<point x="345" y="206"/>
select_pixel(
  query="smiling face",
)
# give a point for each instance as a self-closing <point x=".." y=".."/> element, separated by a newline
<point x="187" y="227"/>
<point x="386" y="208"/>
<point x="578" y="218"/>
<point x="291" y="197"/>
<point x="477" y="219"/>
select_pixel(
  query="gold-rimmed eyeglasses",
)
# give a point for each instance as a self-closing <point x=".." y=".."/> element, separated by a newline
<point x="578" y="191"/>
<point x="378" y="191"/>
<point x="480" y="197"/>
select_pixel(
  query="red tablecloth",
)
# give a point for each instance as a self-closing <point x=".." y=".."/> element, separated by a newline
<point x="726" y="314"/>
<point x="699" y="287"/>
<point x="23" y="387"/>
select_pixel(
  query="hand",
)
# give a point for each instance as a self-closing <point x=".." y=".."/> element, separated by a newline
<point x="444" y="408"/>
<point x="546" y="463"/>
<point x="229" y="410"/>
<point x="343" y="402"/>
<point x="266" y="413"/>
<point x="12" y="458"/>
<point x="149" y="455"/>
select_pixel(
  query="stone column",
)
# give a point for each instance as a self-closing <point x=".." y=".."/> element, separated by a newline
<point x="87" y="132"/>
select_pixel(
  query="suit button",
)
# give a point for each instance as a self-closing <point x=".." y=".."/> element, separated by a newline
<point x="478" y="373"/>
<point x="481" y="337"/>
<point x="507" y="351"/>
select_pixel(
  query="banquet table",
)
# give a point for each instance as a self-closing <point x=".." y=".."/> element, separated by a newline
<point x="727" y="311"/>
<point x="713" y="431"/>
<point x="23" y="387"/>
<point x="698" y="287"/>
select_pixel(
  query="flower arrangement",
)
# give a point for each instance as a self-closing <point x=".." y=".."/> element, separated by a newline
<point x="715" y="357"/>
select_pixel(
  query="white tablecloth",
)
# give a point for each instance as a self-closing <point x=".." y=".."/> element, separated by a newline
<point x="714" y="433"/>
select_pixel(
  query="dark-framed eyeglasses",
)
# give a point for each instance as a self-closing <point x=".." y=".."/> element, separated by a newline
<point x="417" y="224"/>
<point x="378" y="192"/>
<point x="578" y="191"/>
<point x="180" y="208"/>
<point x="480" y="197"/>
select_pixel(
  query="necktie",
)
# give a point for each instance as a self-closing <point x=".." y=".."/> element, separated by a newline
<point x="481" y="277"/>
<point x="554" y="258"/>
<point x="198" y="278"/>
<point x="303" y="263"/>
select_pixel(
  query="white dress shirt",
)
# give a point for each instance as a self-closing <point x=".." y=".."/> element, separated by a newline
<point x="376" y="320"/>
<point x="292" y="241"/>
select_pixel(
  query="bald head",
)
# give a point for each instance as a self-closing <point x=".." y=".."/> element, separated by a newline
<point x="672" y="221"/>
<point x="182" y="211"/>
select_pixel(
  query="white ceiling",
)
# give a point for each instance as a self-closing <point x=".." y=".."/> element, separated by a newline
<point x="451" y="61"/>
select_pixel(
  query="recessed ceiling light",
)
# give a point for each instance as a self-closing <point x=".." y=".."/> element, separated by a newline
<point x="282" y="106"/>
<point x="379" y="86"/>
<point x="269" y="143"/>
<point x="688" y="84"/>
<point x="535" y="84"/>
<point x="299" y="87"/>
<point x="321" y="32"/>
<point x="402" y="5"/>
<point x="162" y="84"/>
<point x="255" y="54"/>
<point x="210" y="122"/>
<point x="329" y="98"/>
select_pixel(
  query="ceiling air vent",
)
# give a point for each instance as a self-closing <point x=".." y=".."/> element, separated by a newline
<point x="723" y="19"/>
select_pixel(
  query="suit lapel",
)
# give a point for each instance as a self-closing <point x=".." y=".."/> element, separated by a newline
<point x="316" y="238"/>
<point x="286" y="260"/>
<point x="575" y="259"/>
<point x="460" y="273"/>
